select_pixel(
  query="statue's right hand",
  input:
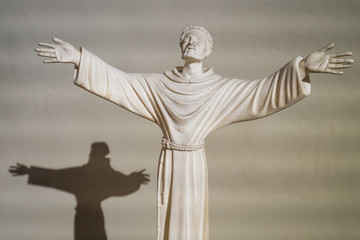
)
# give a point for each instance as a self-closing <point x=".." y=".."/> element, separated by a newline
<point x="19" y="170"/>
<point x="62" y="52"/>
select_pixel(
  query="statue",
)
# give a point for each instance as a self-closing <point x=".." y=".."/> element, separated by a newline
<point x="188" y="103"/>
<point x="91" y="184"/>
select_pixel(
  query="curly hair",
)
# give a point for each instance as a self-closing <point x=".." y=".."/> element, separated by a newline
<point x="200" y="29"/>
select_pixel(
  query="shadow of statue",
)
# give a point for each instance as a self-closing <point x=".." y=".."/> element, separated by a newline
<point x="90" y="184"/>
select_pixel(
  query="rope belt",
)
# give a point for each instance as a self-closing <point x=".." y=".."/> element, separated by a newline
<point x="161" y="178"/>
<point x="181" y="147"/>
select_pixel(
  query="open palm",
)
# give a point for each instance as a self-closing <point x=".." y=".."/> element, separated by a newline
<point x="321" y="62"/>
<point x="63" y="52"/>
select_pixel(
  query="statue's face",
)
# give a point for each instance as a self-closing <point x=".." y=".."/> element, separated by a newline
<point x="194" y="47"/>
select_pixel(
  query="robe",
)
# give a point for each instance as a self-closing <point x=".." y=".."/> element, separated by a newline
<point x="187" y="111"/>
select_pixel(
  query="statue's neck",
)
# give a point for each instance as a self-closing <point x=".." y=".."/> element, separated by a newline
<point x="192" y="70"/>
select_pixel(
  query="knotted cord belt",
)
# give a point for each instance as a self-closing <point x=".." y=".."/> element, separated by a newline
<point x="181" y="147"/>
<point x="161" y="195"/>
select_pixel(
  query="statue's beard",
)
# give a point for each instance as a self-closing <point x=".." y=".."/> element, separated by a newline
<point x="192" y="56"/>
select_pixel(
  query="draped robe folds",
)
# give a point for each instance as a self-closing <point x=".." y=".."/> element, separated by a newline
<point x="187" y="111"/>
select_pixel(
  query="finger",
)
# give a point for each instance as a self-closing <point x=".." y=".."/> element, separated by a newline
<point x="20" y="165"/>
<point x="332" y="71"/>
<point x="327" y="48"/>
<point x="142" y="171"/>
<point x="338" y="66"/>
<point x="341" y="60"/>
<point x="47" y="45"/>
<point x="48" y="50"/>
<point x="341" y="54"/>
<point x="58" y="40"/>
<point x="146" y="175"/>
<point x="50" y="61"/>
<point x="53" y="55"/>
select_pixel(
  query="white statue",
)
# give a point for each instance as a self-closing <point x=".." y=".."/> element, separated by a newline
<point x="188" y="103"/>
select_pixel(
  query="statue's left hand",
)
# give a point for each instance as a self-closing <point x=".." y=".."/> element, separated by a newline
<point x="322" y="62"/>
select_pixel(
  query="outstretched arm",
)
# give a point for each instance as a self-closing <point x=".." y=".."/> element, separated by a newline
<point x="248" y="100"/>
<point x="322" y="62"/>
<point x="130" y="91"/>
<point x="62" y="52"/>
<point x="61" y="179"/>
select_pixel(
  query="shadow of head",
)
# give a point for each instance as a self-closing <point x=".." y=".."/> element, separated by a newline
<point x="98" y="153"/>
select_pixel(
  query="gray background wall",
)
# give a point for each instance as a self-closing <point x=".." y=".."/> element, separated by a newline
<point x="294" y="175"/>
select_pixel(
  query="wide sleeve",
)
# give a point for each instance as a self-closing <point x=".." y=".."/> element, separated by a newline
<point x="130" y="91"/>
<point x="247" y="100"/>
<point x="119" y="184"/>
<point x="61" y="179"/>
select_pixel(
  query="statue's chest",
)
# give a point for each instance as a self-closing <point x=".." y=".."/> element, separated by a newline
<point x="186" y="109"/>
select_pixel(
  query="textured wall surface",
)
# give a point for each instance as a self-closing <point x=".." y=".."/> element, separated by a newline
<point x="293" y="175"/>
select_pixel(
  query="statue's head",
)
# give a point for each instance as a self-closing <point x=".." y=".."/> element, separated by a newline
<point x="196" y="43"/>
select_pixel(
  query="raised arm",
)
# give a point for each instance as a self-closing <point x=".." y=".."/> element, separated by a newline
<point x="130" y="91"/>
<point x="248" y="100"/>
